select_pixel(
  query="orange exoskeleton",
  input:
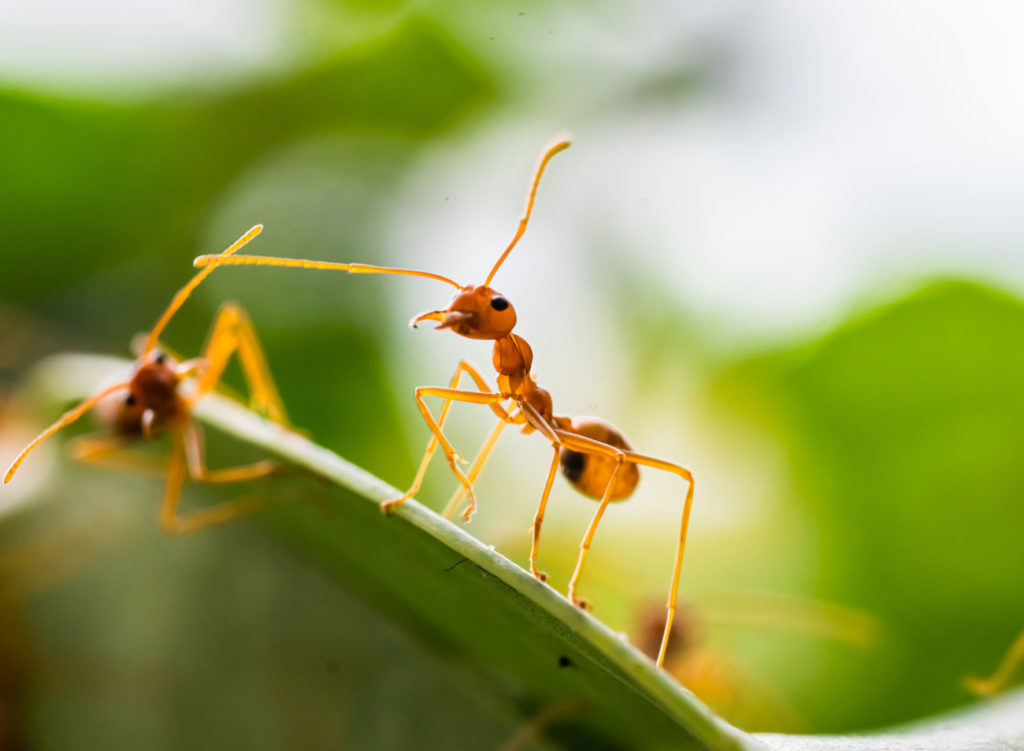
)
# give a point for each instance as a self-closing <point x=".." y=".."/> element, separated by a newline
<point x="594" y="455"/>
<point x="151" y="403"/>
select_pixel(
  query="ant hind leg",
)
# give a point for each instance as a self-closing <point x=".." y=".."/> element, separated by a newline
<point x="111" y="452"/>
<point x="588" y="445"/>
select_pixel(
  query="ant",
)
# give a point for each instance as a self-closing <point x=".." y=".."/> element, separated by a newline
<point x="594" y="455"/>
<point x="732" y="689"/>
<point x="150" y="403"/>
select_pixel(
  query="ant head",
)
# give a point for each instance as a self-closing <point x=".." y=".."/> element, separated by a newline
<point x="476" y="313"/>
<point x="154" y="383"/>
<point x="479" y="312"/>
<point x="156" y="360"/>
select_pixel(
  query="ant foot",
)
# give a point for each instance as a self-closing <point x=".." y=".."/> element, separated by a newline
<point x="470" y="506"/>
<point x="386" y="506"/>
<point x="539" y="575"/>
<point x="582" y="603"/>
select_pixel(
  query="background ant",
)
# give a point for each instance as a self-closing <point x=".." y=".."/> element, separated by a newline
<point x="594" y="455"/>
<point x="151" y="403"/>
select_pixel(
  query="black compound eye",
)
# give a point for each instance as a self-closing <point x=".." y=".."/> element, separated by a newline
<point x="130" y="400"/>
<point x="160" y="359"/>
<point x="499" y="303"/>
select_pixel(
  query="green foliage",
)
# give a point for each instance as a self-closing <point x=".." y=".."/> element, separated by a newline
<point x="904" y="428"/>
<point x="513" y="645"/>
<point x="131" y="180"/>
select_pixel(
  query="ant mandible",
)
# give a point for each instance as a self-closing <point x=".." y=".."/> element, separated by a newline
<point x="149" y="404"/>
<point x="594" y="455"/>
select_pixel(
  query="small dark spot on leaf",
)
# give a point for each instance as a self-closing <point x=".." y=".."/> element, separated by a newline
<point x="564" y="662"/>
<point x="456" y="564"/>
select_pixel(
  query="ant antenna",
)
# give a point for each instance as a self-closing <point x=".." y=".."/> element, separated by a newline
<point x="179" y="299"/>
<point x="210" y="262"/>
<point x="69" y="417"/>
<point x="559" y="144"/>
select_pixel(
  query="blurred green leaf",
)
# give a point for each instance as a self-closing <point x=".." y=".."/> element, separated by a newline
<point x="126" y="181"/>
<point x="511" y="638"/>
<point x="904" y="429"/>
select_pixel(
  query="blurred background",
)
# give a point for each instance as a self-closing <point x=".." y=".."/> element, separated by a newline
<point x="783" y="251"/>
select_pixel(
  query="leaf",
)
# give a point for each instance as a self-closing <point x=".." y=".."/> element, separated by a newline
<point x="508" y="634"/>
<point x="903" y="428"/>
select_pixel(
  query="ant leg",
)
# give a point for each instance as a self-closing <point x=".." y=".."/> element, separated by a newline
<point x="538" y="517"/>
<point x="474" y="470"/>
<point x="687" y="476"/>
<point x="1000" y="679"/>
<point x="193" y="441"/>
<point x="536" y="421"/>
<point x="453" y="383"/>
<point x="588" y="445"/>
<point x="233" y="331"/>
<point x="111" y="452"/>
<point x="472" y="397"/>
<point x="186" y="457"/>
<point x="588" y="538"/>
<point x="176" y="469"/>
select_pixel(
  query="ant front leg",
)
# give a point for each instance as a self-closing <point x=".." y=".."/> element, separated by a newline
<point x="111" y="452"/>
<point x="187" y="457"/>
<point x="452" y="507"/>
<point x="491" y="399"/>
<point x="453" y="383"/>
<point x="233" y="332"/>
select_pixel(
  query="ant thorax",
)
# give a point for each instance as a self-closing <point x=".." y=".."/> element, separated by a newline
<point x="512" y="356"/>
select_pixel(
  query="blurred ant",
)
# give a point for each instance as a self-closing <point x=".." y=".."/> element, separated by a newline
<point x="1011" y="664"/>
<point x="150" y="403"/>
<point x="732" y="689"/>
<point x="594" y="455"/>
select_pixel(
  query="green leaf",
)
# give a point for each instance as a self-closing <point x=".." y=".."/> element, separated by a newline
<point x="508" y="635"/>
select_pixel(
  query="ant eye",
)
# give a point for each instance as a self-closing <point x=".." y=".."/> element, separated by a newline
<point x="160" y="359"/>
<point x="499" y="303"/>
<point x="130" y="400"/>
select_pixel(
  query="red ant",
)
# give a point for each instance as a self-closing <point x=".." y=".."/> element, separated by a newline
<point x="150" y="403"/>
<point x="594" y="455"/>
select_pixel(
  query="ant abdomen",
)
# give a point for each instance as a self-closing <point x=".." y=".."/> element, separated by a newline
<point x="590" y="473"/>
